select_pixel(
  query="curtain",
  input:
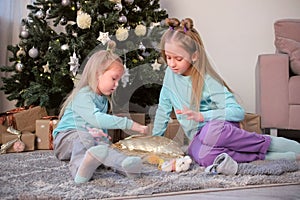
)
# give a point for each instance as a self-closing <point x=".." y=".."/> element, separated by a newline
<point x="11" y="14"/>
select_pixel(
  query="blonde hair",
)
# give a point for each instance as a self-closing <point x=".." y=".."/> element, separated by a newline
<point x="99" y="62"/>
<point x="187" y="37"/>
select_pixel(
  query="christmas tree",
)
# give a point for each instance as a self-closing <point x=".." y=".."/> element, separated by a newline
<point x="58" y="35"/>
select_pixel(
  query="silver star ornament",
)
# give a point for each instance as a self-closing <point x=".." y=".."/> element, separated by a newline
<point x="74" y="64"/>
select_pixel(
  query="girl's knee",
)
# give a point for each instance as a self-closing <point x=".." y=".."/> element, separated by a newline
<point x="204" y="155"/>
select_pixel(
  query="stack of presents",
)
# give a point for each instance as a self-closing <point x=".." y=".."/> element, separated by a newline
<point x="32" y="128"/>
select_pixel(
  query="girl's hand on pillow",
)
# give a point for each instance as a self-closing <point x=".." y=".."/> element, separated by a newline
<point x="139" y="128"/>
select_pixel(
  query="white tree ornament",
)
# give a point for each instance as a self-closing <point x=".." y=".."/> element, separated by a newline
<point x="46" y="68"/>
<point x="156" y="65"/>
<point x="74" y="64"/>
<point x="125" y="77"/>
<point x="103" y="37"/>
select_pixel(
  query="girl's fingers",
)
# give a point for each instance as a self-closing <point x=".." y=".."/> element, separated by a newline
<point x="178" y="111"/>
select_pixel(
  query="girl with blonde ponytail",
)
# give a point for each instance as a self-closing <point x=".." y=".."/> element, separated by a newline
<point x="205" y="105"/>
<point x="81" y="135"/>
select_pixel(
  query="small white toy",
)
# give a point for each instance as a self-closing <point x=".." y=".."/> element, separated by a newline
<point x="177" y="165"/>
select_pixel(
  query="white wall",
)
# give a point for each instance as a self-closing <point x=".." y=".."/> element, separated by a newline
<point x="235" y="32"/>
<point x="11" y="14"/>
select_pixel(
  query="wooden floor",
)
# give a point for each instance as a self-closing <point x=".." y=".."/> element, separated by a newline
<point x="275" y="192"/>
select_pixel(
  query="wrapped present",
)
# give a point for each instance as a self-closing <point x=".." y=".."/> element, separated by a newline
<point x="174" y="131"/>
<point x="23" y="118"/>
<point x="17" y="141"/>
<point x="251" y="123"/>
<point x="2" y="130"/>
<point x="7" y="118"/>
<point x="43" y="131"/>
<point x="115" y="135"/>
<point x="137" y="117"/>
<point x="2" y="118"/>
<point x="118" y="134"/>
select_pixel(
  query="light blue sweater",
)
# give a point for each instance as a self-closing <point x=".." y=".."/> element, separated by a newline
<point x="89" y="109"/>
<point x="216" y="103"/>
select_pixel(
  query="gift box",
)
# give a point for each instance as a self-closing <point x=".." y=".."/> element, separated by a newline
<point x="23" y="118"/>
<point x="26" y="137"/>
<point x="43" y="131"/>
<point x="173" y="131"/>
<point x="7" y="118"/>
<point x="251" y="123"/>
<point x="2" y="130"/>
<point x="137" y="117"/>
<point x="117" y="134"/>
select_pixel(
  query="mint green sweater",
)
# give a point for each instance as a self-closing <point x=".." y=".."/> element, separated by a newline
<point x="216" y="103"/>
<point x="89" y="109"/>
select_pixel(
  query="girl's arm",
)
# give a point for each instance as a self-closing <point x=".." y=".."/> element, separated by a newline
<point x="223" y="104"/>
<point x="163" y="112"/>
<point x="217" y="103"/>
<point x="96" y="115"/>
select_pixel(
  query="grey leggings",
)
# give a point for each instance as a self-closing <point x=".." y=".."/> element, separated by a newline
<point x="71" y="145"/>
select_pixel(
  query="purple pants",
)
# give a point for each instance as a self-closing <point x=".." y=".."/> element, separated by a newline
<point x="218" y="137"/>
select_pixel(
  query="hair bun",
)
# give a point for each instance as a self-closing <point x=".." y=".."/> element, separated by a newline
<point x="173" y="22"/>
<point x="187" y="23"/>
<point x="111" y="46"/>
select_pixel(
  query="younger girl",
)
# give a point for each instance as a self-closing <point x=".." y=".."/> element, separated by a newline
<point x="205" y="106"/>
<point x="78" y="137"/>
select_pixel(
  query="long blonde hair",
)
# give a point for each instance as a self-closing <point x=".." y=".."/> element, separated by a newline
<point x="187" y="37"/>
<point x="99" y="62"/>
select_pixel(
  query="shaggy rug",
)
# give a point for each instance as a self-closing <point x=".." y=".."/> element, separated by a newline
<point x="39" y="175"/>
